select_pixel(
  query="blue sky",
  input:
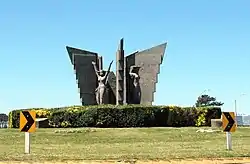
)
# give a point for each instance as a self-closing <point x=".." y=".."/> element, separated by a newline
<point x="208" y="47"/>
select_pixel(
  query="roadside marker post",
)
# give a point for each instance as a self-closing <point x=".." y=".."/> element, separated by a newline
<point x="229" y="140"/>
<point x="27" y="125"/>
<point x="229" y="126"/>
<point x="27" y="143"/>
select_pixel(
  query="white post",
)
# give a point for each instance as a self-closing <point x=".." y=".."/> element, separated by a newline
<point x="235" y="110"/>
<point x="229" y="140"/>
<point x="27" y="143"/>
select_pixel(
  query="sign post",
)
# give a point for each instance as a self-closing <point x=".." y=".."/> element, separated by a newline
<point x="228" y="125"/>
<point x="27" y="125"/>
<point x="229" y="140"/>
<point x="27" y="143"/>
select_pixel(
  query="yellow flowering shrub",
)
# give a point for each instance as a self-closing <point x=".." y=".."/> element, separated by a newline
<point x="122" y="116"/>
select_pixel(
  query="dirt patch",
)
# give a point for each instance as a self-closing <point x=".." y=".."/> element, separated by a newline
<point x="217" y="161"/>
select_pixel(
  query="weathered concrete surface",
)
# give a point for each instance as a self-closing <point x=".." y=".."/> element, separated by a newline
<point x="149" y="60"/>
<point x="120" y="74"/>
<point x="110" y="94"/>
<point x="85" y="74"/>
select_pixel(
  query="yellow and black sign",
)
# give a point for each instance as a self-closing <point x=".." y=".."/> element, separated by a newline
<point x="228" y="122"/>
<point x="27" y="121"/>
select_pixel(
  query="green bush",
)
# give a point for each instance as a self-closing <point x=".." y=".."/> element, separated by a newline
<point x="13" y="118"/>
<point x="106" y="116"/>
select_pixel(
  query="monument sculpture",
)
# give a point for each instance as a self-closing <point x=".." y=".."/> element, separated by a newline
<point x="102" y="78"/>
<point x="136" y="85"/>
<point x="134" y="82"/>
<point x="120" y="75"/>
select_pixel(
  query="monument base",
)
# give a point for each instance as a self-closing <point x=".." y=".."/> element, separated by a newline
<point x="216" y="123"/>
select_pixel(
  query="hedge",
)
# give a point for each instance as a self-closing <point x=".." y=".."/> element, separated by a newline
<point x="123" y="116"/>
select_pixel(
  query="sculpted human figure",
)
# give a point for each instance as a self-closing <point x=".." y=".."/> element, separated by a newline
<point x="136" y="84"/>
<point x="102" y="81"/>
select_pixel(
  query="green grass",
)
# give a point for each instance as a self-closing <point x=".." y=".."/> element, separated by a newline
<point x="121" y="144"/>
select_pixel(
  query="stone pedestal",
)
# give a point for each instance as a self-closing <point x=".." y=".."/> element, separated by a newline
<point x="216" y="123"/>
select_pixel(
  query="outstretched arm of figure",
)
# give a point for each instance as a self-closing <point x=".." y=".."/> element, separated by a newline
<point x="131" y="73"/>
<point x="95" y="68"/>
<point x="106" y="74"/>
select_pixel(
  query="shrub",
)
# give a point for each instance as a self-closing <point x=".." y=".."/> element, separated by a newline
<point x="106" y="116"/>
<point x="13" y="119"/>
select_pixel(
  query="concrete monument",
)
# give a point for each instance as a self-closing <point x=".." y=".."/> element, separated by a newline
<point x="86" y="77"/>
<point x="148" y="67"/>
<point x="134" y="82"/>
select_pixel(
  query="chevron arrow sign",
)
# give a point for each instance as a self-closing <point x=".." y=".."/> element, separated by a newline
<point x="228" y="122"/>
<point x="27" y="121"/>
